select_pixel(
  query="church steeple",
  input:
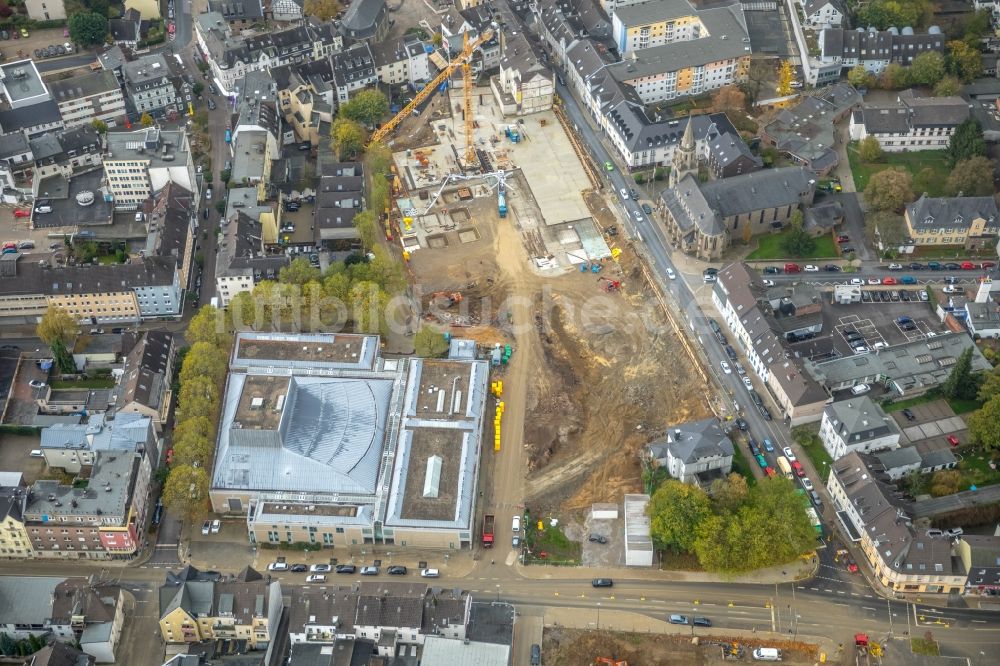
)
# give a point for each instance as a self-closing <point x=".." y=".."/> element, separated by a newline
<point x="685" y="155"/>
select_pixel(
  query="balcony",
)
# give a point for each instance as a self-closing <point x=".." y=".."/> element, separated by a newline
<point x="224" y="630"/>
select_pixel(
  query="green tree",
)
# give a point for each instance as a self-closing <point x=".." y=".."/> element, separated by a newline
<point x="889" y="189"/>
<point x="885" y="13"/>
<point x="895" y="77"/>
<point x="378" y="158"/>
<point x="870" y="150"/>
<point x="198" y="88"/>
<point x="719" y="544"/>
<point x="199" y="396"/>
<point x="964" y="61"/>
<point x="989" y="388"/>
<point x="797" y="242"/>
<point x="729" y="493"/>
<point x="984" y="424"/>
<point x="195" y="428"/>
<point x="87" y="28"/>
<point x="242" y="311"/>
<point x="978" y="24"/>
<point x="348" y="138"/>
<point x="368" y="303"/>
<point x="675" y="511"/>
<point x="204" y="360"/>
<point x="966" y="142"/>
<point x="367" y="227"/>
<point x="324" y="10"/>
<point x="62" y="357"/>
<point x="298" y="272"/>
<point x="859" y="77"/>
<point x="99" y="126"/>
<point x="186" y="492"/>
<point x="960" y="383"/>
<point x="57" y="324"/>
<point x="208" y="325"/>
<point x="886" y="227"/>
<point x="194" y="451"/>
<point x="949" y="86"/>
<point x="430" y="343"/>
<point x="971" y="178"/>
<point x="927" y="68"/>
<point x="7" y="645"/>
<point x="366" y="107"/>
<point x="926" y="180"/>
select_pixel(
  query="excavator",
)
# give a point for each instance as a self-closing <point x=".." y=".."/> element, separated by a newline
<point x="609" y="662"/>
<point x="452" y="297"/>
<point x="610" y="285"/>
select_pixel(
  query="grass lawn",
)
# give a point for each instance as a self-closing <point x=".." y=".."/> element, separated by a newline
<point x="741" y="467"/>
<point x="925" y="646"/>
<point x="910" y="402"/>
<point x="808" y="438"/>
<point x="90" y="383"/>
<point x="769" y="248"/>
<point x="671" y="561"/>
<point x="551" y="541"/>
<point x="977" y="472"/>
<point x="960" y="406"/>
<point x="912" y="161"/>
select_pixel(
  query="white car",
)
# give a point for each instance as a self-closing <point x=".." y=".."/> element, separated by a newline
<point x="951" y="289"/>
<point x="316" y="578"/>
<point x="320" y="568"/>
<point x="430" y="573"/>
<point x="857" y="282"/>
<point x="789" y="453"/>
<point x="216" y="526"/>
<point x="725" y="368"/>
<point x="624" y="194"/>
<point x="858" y="389"/>
<point x="809" y="268"/>
<point x="874" y="280"/>
<point x="671" y="274"/>
<point x="768" y="283"/>
<point x="895" y="267"/>
<point x="861" y="349"/>
<point x="277" y="566"/>
<point x="806" y="483"/>
<point x="206" y="527"/>
<point x="747" y="383"/>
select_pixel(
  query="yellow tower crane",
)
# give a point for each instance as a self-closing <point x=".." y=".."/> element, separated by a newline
<point x="470" y="141"/>
<point x="467" y="50"/>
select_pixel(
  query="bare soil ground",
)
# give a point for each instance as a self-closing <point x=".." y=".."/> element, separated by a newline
<point x="562" y="646"/>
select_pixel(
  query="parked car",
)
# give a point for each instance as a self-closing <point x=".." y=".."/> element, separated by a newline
<point x="952" y="266"/>
<point x="768" y="446"/>
<point x="34" y="383"/>
<point x="206" y="527"/>
<point x="602" y="582"/>
<point x="396" y="570"/>
<point x="895" y="267"/>
<point x="934" y="265"/>
<point x="772" y="270"/>
<point x="909" y="414"/>
<point x="278" y="566"/>
<point x="741" y="424"/>
<point x="345" y="569"/>
<point x="747" y="382"/>
<point x="953" y="440"/>
<point x="916" y="266"/>
<point x="369" y="571"/>
<point x="299" y="568"/>
<point x="843" y="238"/>
<point x="315" y="578"/>
<point x="678" y="619"/>
<point x="810" y="268"/>
<point x="725" y="368"/>
<point x="874" y="281"/>
<point x="807" y="484"/>
<point x="792" y="268"/>
<point x="768" y="283"/>
<point x="597" y="538"/>
<point x="429" y="573"/>
<point x="832" y="268"/>
<point x="789" y="453"/>
<point x="216" y="526"/>
<point x="890" y="281"/>
<point x="320" y="568"/>
<point x="968" y="266"/>
<point x="859" y="389"/>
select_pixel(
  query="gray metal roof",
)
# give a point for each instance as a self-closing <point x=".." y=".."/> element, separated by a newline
<point x="440" y="651"/>
<point x="695" y="440"/>
<point x="653" y="11"/>
<point x="127" y="432"/>
<point x="928" y="213"/>
<point x="860" y="419"/>
<point x="27" y="599"/>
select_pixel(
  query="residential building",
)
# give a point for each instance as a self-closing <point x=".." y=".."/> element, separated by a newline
<point x="823" y="13"/>
<point x="84" y="99"/>
<point x="127" y="30"/>
<point x="45" y="10"/>
<point x="287" y="11"/>
<point x="61" y="654"/>
<point x="728" y="155"/>
<point x="857" y="424"/>
<point x="97" y="294"/>
<point x="240" y="14"/>
<point x="899" y="463"/>
<point x="242" y="260"/>
<point x="151" y="88"/>
<point x="338" y="200"/>
<point x="245" y="607"/>
<point x="65" y="153"/>
<point x="407" y="479"/>
<point x="146" y="377"/>
<point x="982" y="319"/>
<point x="14" y="541"/>
<point x="981" y="558"/>
<point x="21" y="85"/>
<point x="805" y="131"/>
<point x="875" y="49"/>
<point x="366" y="20"/>
<point x="525" y="83"/>
<point x="970" y="222"/>
<point x="905" y="370"/>
<point x="696" y="452"/>
<point x="16" y="168"/>
<point x="142" y="162"/>
<point x="800" y="398"/>
<point x="32" y="121"/>
<point x="171" y="223"/>
<point x="104" y="520"/>
<point x="402" y="61"/>
<point x="703" y="218"/>
<point x="73" y="446"/>
<point x="306" y="99"/>
<point x="70" y="196"/>
<point x="353" y="70"/>
<point x="912" y="123"/>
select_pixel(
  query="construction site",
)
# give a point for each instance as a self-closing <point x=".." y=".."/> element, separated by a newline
<point x="509" y="239"/>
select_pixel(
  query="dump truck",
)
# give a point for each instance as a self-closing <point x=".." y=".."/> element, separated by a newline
<point x="488" y="521"/>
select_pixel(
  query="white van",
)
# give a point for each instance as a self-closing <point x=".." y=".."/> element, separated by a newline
<point x="516" y="525"/>
<point x="767" y="654"/>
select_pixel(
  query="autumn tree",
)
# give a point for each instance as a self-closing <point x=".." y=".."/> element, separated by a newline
<point x="948" y="86"/>
<point x="946" y="482"/>
<point x="298" y="272"/>
<point x="57" y="324"/>
<point x="99" y="126"/>
<point x="208" y="325"/>
<point x="729" y="493"/>
<point x="971" y="178"/>
<point x="324" y="10"/>
<point x="146" y="120"/>
<point x="895" y="77"/>
<point x="729" y="98"/>
<point x="870" y="150"/>
<point x="368" y="106"/>
<point x="990" y="386"/>
<point x="675" y="511"/>
<point x="984" y="424"/>
<point x="186" y="492"/>
<point x="204" y="360"/>
<point x="367" y="227"/>
<point x="889" y="189"/>
<point x="785" y="77"/>
<point x="964" y="61"/>
<point x="758" y="73"/>
<point x="199" y="396"/>
<point x="430" y="343"/>
<point x="859" y="77"/>
<point x="927" y="68"/>
<point x="885" y="229"/>
<point x="348" y="138"/>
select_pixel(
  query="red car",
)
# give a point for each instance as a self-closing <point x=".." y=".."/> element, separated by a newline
<point x="770" y="471"/>
<point x="170" y="456"/>
<point x="792" y="268"/>
<point x="843" y="238"/>
<point x="852" y="567"/>
<point x="987" y="264"/>
<point x="21" y="212"/>
<point x="953" y="440"/>
<point x="889" y="280"/>
<point x="797" y="468"/>
<point x="968" y="266"/>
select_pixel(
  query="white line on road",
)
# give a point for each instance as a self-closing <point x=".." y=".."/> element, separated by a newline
<point x="874" y="610"/>
<point x="836" y="603"/>
<point x="828" y="590"/>
<point x="979" y="621"/>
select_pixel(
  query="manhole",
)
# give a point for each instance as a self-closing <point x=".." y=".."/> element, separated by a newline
<point x="468" y="235"/>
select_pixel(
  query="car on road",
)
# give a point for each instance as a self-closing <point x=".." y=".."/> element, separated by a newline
<point x="752" y="445"/>
<point x="725" y="368"/>
<point x="874" y="281"/>
<point x="597" y="538"/>
<point x="345" y="569"/>
<point x="741" y="424"/>
<point x="772" y="270"/>
<point x="807" y="484"/>
<point x="952" y="289"/>
<point x="608" y="166"/>
<point x="216" y="526"/>
<point x="21" y="212"/>
<point x="429" y="573"/>
<point x="396" y="570"/>
<point x="768" y="283"/>
<point x="895" y="267"/>
<point x="857" y="282"/>
<point x="761" y="460"/>
<point x="952" y="266"/>
<point x="211" y="105"/>
<point x="810" y="268"/>
<point x="678" y="619"/>
<point x="671" y="274"/>
<point x="624" y="193"/>
<point x="765" y="413"/>
<point x="789" y="453"/>
<point x="638" y="215"/>
<point x="747" y="382"/>
<point x="206" y="527"/>
<point x="278" y="566"/>
<point x="369" y="571"/>
<point x="320" y="568"/>
<point x="299" y="568"/>
<point x="953" y="440"/>
<point x="916" y="266"/>
<point x="843" y="238"/>
<point x="702" y="622"/>
<point x="797" y="468"/>
<point x="908" y="414"/>
<point x="768" y="446"/>
<point x="647" y="209"/>
<point x="832" y="268"/>
<point x="633" y="194"/>
<point x="602" y="582"/>
<point x="536" y="655"/>
<point x="315" y="578"/>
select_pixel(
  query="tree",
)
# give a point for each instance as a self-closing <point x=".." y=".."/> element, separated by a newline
<point x="62" y="357"/>
<point x="208" y="325"/>
<point x="729" y="493"/>
<point x="243" y="311"/>
<point x="367" y="107"/>
<point x="368" y="303"/>
<point x="870" y="150"/>
<point x="196" y="428"/>
<point x="298" y="272"/>
<point x="797" y="242"/>
<point x="675" y="511"/>
<point x="719" y="544"/>
<point x="960" y="383"/>
<point x="964" y="61"/>
<point x="367" y="227"/>
<point x="729" y="98"/>
<point x="925" y="180"/>
<point x="989" y="388"/>
<point x="199" y="396"/>
<point x="895" y="77"/>
<point x="785" y="77"/>
<point x="348" y="138"/>
<point x="204" y="360"/>
<point x="885" y="229"/>
<point x="984" y="424"/>
<point x="194" y="451"/>
<point x="966" y="142"/>
<point x="859" y="77"/>
<point x="890" y="189"/>
<point x="186" y="491"/>
<point x="146" y="120"/>
<point x="86" y="28"/>
<point x="198" y="88"/>
<point x="324" y="10"/>
<point x="430" y="343"/>
<point x="57" y="324"/>
<point x="758" y="73"/>
<point x="949" y="86"/>
<point x="971" y="178"/>
<point x="885" y="13"/>
<point x="927" y="68"/>
<point x="99" y="126"/>
<point x="946" y="482"/>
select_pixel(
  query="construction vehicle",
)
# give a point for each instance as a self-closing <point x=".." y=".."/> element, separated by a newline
<point x="865" y="650"/>
<point x="609" y="662"/>
<point x="732" y="651"/>
<point x="452" y="297"/>
<point x="610" y="285"/>
<point x="424" y="93"/>
<point x="512" y="133"/>
<point x="502" y="198"/>
<point x="499" y="179"/>
<point x="489" y="520"/>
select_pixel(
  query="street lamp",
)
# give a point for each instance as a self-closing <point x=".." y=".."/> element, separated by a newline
<point x="598" y="615"/>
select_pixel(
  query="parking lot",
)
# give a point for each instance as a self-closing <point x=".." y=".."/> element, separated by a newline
<point x="931" y="424"/>
<point x="14" y="450"/>
<point x="593" y="553"/>
<point x="879" y="324"/>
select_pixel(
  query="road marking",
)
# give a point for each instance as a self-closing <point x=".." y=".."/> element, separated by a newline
<point x="979" y="621"/>
<point x="815" y="589"/>
<point x="841" y="592"/>
<point x="837" y="603"/>
<point x="828" y="590"/>
<point x="868" y="608"/>
<point x="855" y="594"/>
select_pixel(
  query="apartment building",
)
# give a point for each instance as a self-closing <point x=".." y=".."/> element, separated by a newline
<point x="402" y="61"/>
<point x="353" y="70"/>
<point x="912" y="123"/>
<point x="66" y="153"/>
<point x="306" y="99"/>
<point x="805" y="130"/>
<point x="525" y="83"/>
<point x="366" y="20"/>
<point x="16" y="167"/>
<point x="84" y="99"/>
<point x="150" y="86"/>
<point x="142" y="162"/>
<point x="73" y="446"/>
<point x="243" y="259"/>
<point x="875" y="49"/>
<point x="823" y="13"/>
<point x="970" y="222"/>
<point x="144" y="388"/>
<point x="45" y="10"/>
<point x="171" y="218"/>
<point x="21" y="85"/>
<point x="696" y="452"/>
<point x="857" y="424"/>
<point x="15" y="544"/>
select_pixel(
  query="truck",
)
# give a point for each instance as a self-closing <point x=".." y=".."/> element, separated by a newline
<point x="785" y="467"/>
<point x="488" y="522"/>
